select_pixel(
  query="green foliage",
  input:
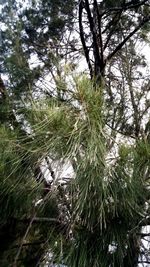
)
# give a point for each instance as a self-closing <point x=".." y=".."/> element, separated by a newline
<point x="106" y="201"/>
<point x="16" y="181"/>
<point x="117" y="194"/>
<point x="96" y="218"/>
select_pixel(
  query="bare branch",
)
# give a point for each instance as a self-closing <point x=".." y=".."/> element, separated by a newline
<point x="86" y="51"/>
<point x="99" y="64"/>
<point x="127" y="38"/>
<point x="125" y="7"/>
<point x="22" y="242"/>
<point x="99" y="29"/>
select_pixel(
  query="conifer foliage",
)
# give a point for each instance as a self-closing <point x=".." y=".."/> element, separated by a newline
<point x="96" y="122"/>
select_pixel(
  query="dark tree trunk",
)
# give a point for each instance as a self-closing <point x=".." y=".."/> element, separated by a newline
<point x="100" y="35"/>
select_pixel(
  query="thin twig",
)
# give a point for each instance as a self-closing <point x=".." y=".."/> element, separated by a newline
<point x="22" y="242"/>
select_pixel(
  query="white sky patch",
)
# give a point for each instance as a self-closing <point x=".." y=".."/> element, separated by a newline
<point x="63" y="170"/>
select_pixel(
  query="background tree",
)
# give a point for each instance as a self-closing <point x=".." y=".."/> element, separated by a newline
<point x="109" y="26"/>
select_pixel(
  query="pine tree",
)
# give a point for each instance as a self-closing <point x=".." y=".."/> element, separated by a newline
<point x="98" y="217"/>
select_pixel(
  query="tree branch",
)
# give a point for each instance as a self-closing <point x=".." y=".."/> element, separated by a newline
<point x="99" y="65"/>
<point x="147" y="262"/>
<point x="113" y="22"/>
<point x="2" y="89"/>
<point x="145" y="222"/>
<point x="125" y="7"/>
<point x="99" y="29"/>
<point x="86" y="51"/>
<point x="142" y="235"/>
<point x="22" y="242"/>
<point x="127" y="38"/>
